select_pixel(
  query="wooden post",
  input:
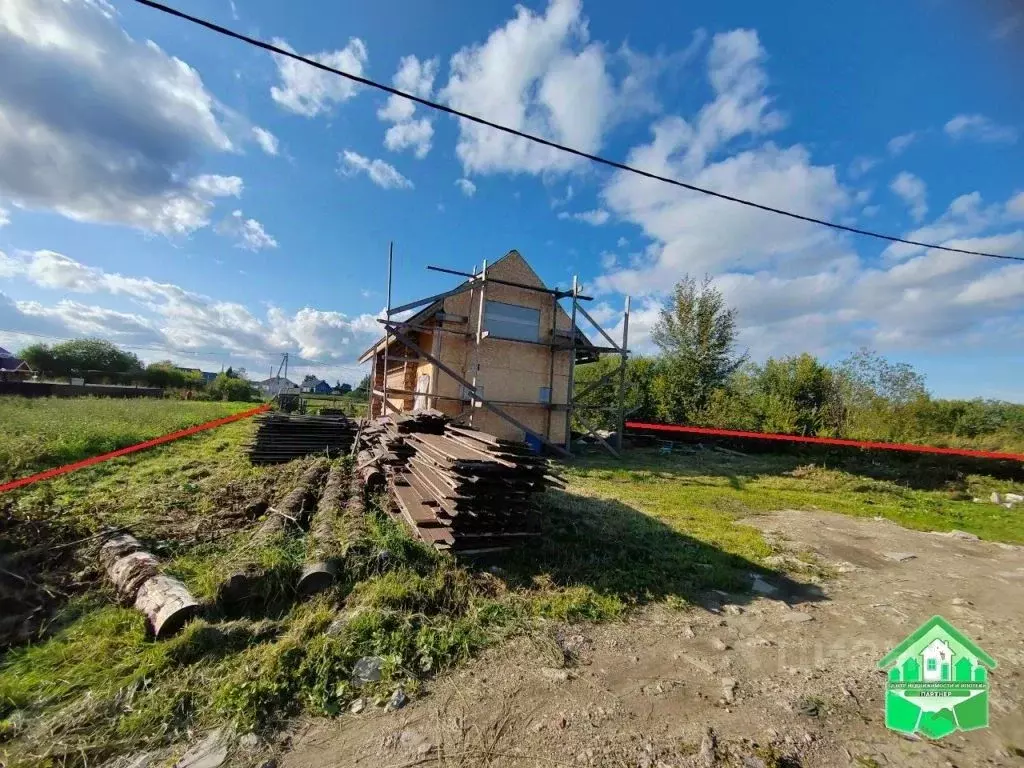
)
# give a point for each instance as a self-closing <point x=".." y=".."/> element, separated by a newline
<point x="479" y="335"/>
<point x="373" y="385"/>
<point x="622" y="378"/>
<point x="551" y="369"/>
<point x="384" y="388"/>
<point x="572" y="365"/>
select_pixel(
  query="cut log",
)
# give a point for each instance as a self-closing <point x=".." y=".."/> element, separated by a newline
<point x="244" y="572"/>
<point x="163" y="600"/>
<point x="353" y="517"/>
<point x="127" y="565"/>
<point x="322" y="546"/>
<point x="369" y="471"/>
<point x="167" y="604"/>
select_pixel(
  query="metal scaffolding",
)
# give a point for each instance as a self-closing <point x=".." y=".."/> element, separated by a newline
<point x="576" y="409"/>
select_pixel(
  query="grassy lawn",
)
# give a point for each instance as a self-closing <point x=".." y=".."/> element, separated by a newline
<point x="702" y="492"/>
<point x="46" y="432"/>
<point x="353" y="405"/>
<point x="653" y="528"/>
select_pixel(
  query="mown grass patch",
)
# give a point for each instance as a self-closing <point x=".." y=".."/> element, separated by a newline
<point x="704" y="492"/>
<point x="40" y="433"/>
<point x="652" y="528"/>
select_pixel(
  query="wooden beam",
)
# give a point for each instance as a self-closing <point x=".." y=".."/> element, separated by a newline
<point x="510" y="283"/>
<point x="593" y="433"/>
<point x="485" y="403"/>
<point x="413" y="393"/>
<point x="594" y="385"/>
<point x="430" y="299"/>
<point x="599" y="328"/>
<point x="387" y="402"/>
<point x="430" y="328"/>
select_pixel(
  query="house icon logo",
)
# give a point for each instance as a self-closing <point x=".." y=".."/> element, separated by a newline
<point x="938" y="682"/>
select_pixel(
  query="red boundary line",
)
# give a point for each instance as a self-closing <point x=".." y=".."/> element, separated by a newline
<point x="50" y="473"/>
<point x="909" y="448"/>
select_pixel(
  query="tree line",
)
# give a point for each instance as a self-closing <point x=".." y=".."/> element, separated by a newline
<point x="99" y="362"/>
<point x="700" y="377"/>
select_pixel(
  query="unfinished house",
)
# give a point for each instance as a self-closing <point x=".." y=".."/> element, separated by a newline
<point x="508" y="346"/>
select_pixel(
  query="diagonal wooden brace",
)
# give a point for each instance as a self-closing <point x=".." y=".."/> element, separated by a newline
<point x="401" y="337"/>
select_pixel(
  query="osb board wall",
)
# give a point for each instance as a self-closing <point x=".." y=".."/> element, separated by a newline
<point x="507" y="370"/>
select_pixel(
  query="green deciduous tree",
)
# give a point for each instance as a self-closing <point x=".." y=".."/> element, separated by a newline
<point x="164" y="374"/>
<point x="226" y="387"/>
<point x="696" y="333"/>
<point x="93" y="359"/>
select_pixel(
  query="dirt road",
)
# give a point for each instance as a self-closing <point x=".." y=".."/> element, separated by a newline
<point x="779" y="679"/>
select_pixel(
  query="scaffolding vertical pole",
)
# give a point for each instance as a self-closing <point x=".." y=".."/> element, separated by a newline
<point x="570" y="400"/>
<point x="387" y="332"/>
<point x="551" y="369"/>
<point x="621" y="423"/>
<point x="373" y="383"/>
<point x="285" y="367"/>
<point x="479" y="337"/>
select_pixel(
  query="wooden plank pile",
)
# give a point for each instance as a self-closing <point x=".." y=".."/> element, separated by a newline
<point x="457" y="488"/>
<point x="281" y="437"/>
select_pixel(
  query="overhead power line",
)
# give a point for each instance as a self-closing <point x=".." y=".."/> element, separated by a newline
<point x="555" y="145"/>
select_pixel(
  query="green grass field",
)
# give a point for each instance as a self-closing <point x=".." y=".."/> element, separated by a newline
<point x="353" y="405"/>
<point x="650" y="528"/>
<point x="47" y="432"/>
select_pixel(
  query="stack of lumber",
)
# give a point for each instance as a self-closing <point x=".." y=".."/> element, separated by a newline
<point x="281" y="437"/>
<point x="457" y="488"/>
<point x="426" y="421"/>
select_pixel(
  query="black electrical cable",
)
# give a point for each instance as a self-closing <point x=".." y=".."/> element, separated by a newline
<point x="554" y="145"/>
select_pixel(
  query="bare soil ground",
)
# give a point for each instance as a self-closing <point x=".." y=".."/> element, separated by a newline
<point x="786" y="679"/>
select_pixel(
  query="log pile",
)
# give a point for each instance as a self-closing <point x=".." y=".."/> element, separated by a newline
<point x="281" y="437"/>
<point x="163" y="600"/>
<point x="457" y="488"/>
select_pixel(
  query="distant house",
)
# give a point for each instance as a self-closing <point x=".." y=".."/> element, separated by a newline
<point x="12" y="368"/>
<point x="275" y="384"/>
<point x="314" y="385"/>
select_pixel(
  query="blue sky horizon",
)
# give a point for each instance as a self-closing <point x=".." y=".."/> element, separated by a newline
<point x="195" y="198"/>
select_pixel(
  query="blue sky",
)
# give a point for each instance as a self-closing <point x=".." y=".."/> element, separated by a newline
<point x="198" y="199"/>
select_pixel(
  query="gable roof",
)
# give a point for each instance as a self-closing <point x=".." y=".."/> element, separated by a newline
<point x="436" y="306"/>
<point x="949" y="629"/>
<point x="11" y="363"/>
<point x="5" y="353"/>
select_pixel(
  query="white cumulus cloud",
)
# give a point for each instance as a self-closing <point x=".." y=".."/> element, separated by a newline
<point x="467" y="187"/>
<point x="268" y="142"/>
<point x="308" y="91"/>
<point x="247" y="233"/>
<point x="538" y="73"/>
<point x="913" y="191"/>
<point x="379" y="172"/>
<point x="98" y="126"/>
<point x="898" y="144"/>
<point x="178" y="321"/>
<point x="980" y="128"/>
<point x="415" y="77"/>
<point x="596" y="217"/>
